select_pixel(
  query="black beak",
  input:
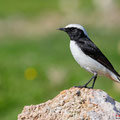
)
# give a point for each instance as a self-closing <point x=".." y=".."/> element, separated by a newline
<point x="62" y="29"/>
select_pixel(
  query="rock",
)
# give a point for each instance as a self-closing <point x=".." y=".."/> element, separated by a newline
<point x="75" y="104"/>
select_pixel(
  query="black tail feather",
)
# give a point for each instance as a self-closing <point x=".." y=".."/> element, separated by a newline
<point x="118" y="77"/>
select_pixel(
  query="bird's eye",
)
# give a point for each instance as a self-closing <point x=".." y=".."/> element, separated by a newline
<point x="72" y="29"/>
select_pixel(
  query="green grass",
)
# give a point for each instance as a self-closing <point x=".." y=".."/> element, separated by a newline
<point x="26" y="8"/>
<point x="33" y="8"/>
<point x="18" y="54"/>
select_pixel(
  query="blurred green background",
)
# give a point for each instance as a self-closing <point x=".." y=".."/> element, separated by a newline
<point x="35" y="60"/>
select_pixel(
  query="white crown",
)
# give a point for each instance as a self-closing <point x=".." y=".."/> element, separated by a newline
<point x="77" y="26"/>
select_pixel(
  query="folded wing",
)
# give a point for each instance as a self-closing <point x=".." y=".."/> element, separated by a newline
<point x="90" y="49"/>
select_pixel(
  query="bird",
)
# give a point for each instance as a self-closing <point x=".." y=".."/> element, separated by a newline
<point x="88" y="55"/>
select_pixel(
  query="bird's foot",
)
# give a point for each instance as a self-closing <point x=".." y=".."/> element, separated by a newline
<point x="84" y="86"/>
<point x="80" y="86"/>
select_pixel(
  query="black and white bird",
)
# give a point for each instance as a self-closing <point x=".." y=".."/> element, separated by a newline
<point x="88" y="55"/>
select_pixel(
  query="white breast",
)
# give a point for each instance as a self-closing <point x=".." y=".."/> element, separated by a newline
<point x="87" y="62"/>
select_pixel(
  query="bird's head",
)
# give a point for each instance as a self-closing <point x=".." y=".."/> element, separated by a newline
<point x="75" y="31"/>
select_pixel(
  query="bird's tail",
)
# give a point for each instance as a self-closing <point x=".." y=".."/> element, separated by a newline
<point x="114" y="77"/>
<point x="118" y="77"/>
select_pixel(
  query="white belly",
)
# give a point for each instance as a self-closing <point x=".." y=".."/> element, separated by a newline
<point x="87" y="62"/>
<point x="90" y="64"/>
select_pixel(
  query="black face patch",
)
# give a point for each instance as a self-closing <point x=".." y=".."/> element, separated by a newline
<point x="75" y="33"/>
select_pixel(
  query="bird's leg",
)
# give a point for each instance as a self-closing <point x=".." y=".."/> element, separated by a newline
<point x="85" y="86"/>
<point x="89" y="82"/>
<point x="94" y="81"/>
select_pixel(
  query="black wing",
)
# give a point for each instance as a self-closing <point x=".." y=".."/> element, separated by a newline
<point x="90" y="49"/>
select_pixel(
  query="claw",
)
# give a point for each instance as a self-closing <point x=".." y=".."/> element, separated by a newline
<point x="84" y="86"/>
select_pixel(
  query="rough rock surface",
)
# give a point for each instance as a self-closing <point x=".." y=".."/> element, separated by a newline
<point x="75" y="104"/>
